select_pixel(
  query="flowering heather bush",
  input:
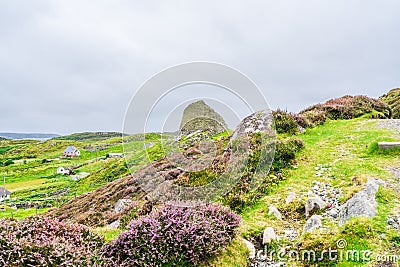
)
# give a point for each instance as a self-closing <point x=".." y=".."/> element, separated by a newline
<point x="174" y="236"/>
<point x="349" y="107"/>
<point x="39" y="241"/>
<point x="285" y="122"/>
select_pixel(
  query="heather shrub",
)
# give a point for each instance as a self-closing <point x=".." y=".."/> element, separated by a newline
<point x="349" y="107"/>
<point x="39" y="241"/>
<point x="174" y="236"/>
<point x="302" y="121"/>
<point x="285" y="152"/>
<point x="285" y="122"/>
<point x="313" y="117"/>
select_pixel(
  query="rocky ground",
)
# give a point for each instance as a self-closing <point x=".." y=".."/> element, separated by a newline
<point x="327" y="203"/>
<point x="392" y="124"/>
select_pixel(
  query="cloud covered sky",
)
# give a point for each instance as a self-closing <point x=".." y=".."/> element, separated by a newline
<point x="73" y="66"/>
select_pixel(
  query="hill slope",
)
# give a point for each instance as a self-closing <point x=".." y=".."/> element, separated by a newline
<point x="392" y="98"/>
<point x="89" y="136"/>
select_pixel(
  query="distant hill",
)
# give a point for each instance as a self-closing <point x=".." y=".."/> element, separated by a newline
<point x="392" y="98"/>
<point x="89" y="136"/>
<point x="33" y="136"/>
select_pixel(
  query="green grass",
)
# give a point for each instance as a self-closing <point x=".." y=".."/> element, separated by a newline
<point x="345" y="145"/>
<point x="29" y="176"/>
<point x="349" y="147"/>
<point x="109" y="234"/>
<point x="21" y="213"/>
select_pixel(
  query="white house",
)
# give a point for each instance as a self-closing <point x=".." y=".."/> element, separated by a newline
<point x="71" y="152"/>
<point x="148" y="145"/>
<point x="65" y="171"/>
<point x="115" y="155"/>
<point x="4" y="194"/>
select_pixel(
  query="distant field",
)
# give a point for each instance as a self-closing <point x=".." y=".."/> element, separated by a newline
<point x="32" y="175"/>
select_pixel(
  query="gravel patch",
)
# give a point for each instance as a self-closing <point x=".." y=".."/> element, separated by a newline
<point x="392" y="124"/>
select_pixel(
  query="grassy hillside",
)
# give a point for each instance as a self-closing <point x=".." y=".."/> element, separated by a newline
<point x="335" y="157"/>
<point x="90" y="136"/>
<point x="29" y="168"/>
<point x="392" y="98"/>
<point x="348" y="148"/>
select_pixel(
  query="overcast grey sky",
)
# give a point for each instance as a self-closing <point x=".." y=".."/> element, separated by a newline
<point x="71" y="66"/>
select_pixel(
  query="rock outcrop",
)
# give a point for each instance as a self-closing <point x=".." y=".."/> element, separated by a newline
<point x="268" y="235"/>
<point x="314" y="203"/>
<point x="313" y="223"/>
<point x="275" y="212"/>
<point x="251" y="248"/>
<point x="257" y="122"/>
<point x="122" y="204"/>
<point x="362" y="203"/>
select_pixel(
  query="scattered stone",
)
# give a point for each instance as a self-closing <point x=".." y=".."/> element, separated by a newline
<point x="311" y="194"/>
<point x="394" y="221"/>
<point x="395" y="171"/>
<point x="314" y="222"/>
<point x="322" y="169"/>
<point x="290" y="197"/>
<point x="362" y="203"/>
<point x="301" y="129"/>
<point x="122" y="204"/>
<point x="114" y="225"/>
<point x="274" y="211"/>
<point x="251" y="248"/>
<point x="269" y="235"/>
<point x="314" y="203"/>
<point x="329" y="195"/>
<point x="290" y="234"/>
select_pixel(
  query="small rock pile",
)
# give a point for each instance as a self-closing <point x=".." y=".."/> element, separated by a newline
<point x="329" y="195"/>
<point x="391" y="124"/>
<point x="322" y="169"/>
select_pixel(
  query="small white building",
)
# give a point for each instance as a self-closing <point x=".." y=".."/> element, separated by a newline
<point x="65" y="171"/>
<point x="148" y="145"/>
<point x="115" y="155"/>
<point x="71" y="152"/>
<point x="4" y="194"/>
